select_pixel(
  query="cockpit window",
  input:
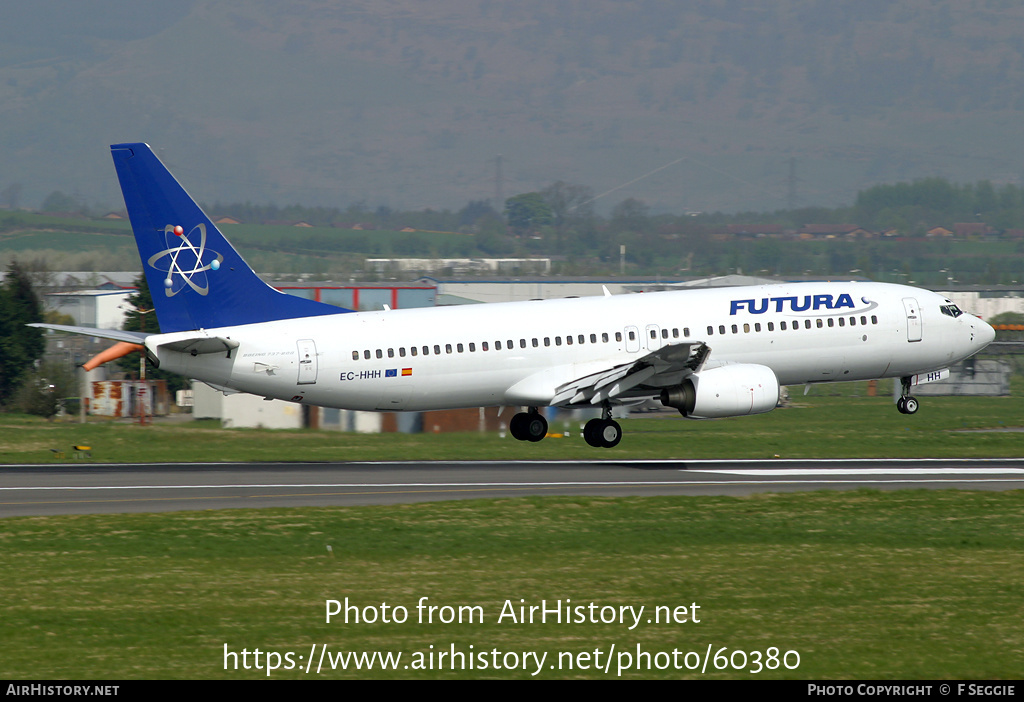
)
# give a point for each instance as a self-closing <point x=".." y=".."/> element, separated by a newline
<point x="951" y="310"/>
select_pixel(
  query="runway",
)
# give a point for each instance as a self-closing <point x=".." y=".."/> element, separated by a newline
<point x="29" y="490"/>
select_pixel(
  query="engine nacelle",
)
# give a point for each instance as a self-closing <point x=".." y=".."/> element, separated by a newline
<point x="727" y="391"/>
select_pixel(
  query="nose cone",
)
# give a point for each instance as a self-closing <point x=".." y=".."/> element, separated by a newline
<point x="984" y="334"/>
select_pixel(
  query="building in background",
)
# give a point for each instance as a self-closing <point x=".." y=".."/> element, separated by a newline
<point x="97" y="309"/>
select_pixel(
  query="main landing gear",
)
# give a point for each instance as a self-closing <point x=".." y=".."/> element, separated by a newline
<point x="907" y="404"/>
<point x="531" y="426"/>
<point x="528" y="426"/>
<point x="604" y="432"/>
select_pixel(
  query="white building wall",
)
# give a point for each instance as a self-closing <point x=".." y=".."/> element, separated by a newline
<point x="366" y="422"/>
<point x="99" y="309"/>
<point x="110" y="310"/>
<point x="242" y="410"/>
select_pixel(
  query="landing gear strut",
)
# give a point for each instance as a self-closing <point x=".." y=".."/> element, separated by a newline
<point x="604" y="432"/>
<point x="528" y="426"/>
<point x="907" y="404"/>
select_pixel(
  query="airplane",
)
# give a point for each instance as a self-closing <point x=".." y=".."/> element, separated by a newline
<point x="707" y="353"/>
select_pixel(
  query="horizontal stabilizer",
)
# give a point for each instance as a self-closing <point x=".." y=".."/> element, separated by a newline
<point x="115" y="334"/>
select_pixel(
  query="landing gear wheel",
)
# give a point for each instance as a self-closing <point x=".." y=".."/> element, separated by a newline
<point x="602" y="433"/>
<point x="528" y="426"/>
<point x="536" y="427"/>
<point x="907" y="404"/>
<point x="611" y="433"/>
<point x="517" y="427"/>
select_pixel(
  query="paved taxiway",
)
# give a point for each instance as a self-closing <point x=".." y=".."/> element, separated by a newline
<point x="85" y="489"/>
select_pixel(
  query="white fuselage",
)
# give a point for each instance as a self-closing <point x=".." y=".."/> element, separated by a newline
<point x="519" y="353"/>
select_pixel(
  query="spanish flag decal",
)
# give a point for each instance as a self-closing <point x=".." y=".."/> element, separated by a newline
<point x="406" y="371"/>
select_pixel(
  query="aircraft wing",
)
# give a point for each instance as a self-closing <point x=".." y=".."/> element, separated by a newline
<point x="659" y="368"/>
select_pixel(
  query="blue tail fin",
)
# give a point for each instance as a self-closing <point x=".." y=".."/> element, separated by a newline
<point x="197" y="280"/>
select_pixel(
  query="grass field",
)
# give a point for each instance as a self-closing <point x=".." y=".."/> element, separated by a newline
<point x="909" y="584"/>
<point x="860" y="584"/>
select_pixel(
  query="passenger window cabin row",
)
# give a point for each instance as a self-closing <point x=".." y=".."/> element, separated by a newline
<point x="508" y="344"/>
<point x="604" y="338"/>
<point x="820" y="323"/>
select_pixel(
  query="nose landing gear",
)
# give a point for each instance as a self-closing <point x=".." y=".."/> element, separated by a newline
<point x="907" y="404"/>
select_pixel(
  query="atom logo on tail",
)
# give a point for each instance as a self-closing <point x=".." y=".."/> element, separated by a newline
<point x="188" y="261"/>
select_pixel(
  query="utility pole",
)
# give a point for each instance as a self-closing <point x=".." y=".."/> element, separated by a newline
<point x="142" y="370"/>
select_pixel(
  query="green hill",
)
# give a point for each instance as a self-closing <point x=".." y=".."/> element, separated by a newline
<point x="408" y="104"/>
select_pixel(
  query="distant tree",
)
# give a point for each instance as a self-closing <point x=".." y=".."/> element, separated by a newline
<point x="60" y="202"/>
<point x="1007" y="318"/>
<point x="141" y="306"/>
<point x="37" y="269"/>
<point x="491" y="238"/>
<point x="985" y="199"/>
<point x="527" y="212"/>
<point x="358" y="211"/>
<point x="630" y="215"/>
<point x="568" y="202"/>
<point x="571" y="211"/>
<point x="44" y="389"/>
<point x="55" y="317"/>
<point x="934" y="201"/>
<point x="20" y="345"/>
<point x="142" y="317"/>
<point x="474" y="211"/>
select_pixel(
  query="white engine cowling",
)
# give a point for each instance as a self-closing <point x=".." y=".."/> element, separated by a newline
<point x="726" y="391"/>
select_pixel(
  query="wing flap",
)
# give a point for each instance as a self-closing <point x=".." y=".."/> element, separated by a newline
<point x="613" y="383"/>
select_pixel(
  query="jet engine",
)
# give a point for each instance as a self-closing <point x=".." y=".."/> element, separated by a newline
<point x="726" y="391"/>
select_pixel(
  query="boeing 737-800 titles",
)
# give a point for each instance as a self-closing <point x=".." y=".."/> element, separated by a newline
<point x="707" y="353"/>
